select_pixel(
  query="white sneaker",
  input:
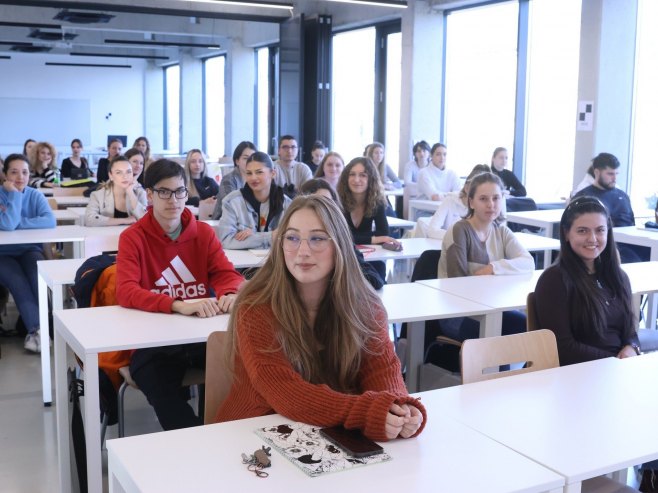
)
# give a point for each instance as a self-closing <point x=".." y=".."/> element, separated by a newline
<point x="33" y="342"/>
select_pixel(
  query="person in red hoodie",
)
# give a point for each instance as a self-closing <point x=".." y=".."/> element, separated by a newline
<point x="165" y="258"/>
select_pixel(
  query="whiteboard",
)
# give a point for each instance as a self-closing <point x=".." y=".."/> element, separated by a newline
<point x="57" y="121"/>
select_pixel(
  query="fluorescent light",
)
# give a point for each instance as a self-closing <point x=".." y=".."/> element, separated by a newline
<point x="247" y="3"/>
<point x="378" y="3"/>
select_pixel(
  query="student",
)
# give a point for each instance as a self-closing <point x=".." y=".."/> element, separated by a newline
<point x="114" y="149"/>
<point x="512" y="184"/>
<point x="389" y="179"/>
<point x="290" y="174"/>
<point x="164" y="259"/>
<point x="251" y="215"/>
<point x="330" y="168"/>
<point x="454" y="207"/>
<point x="606" y="167"/>
<point x="202" y="188"/>
<point x="143" y="144"/>
<point x="360" y="193"/>
<point x="22" y="207"/>
<point x="28" y="147"/>
<point x="236" y="178"/>
<point x="421" y="151"/>
<point x="310" y="340"/>
<point x="318" y="151"/>
<point x="585" y="297"/>
<point x="75" y="160"/>
<point x="118" y="201"/>
<point x="136" y="159"/>
<point x="43" y="169"/>
<point x="435" y="180"/>
<point x="318" y="186"/>
<point x="478" y="246"/>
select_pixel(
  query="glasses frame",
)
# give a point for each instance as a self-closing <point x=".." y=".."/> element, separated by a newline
<point x="308" y="241"/>
<point x="165" y="193"/>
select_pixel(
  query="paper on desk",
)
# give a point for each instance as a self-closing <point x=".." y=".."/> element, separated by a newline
<point x="260" y="252"/>
<point x="303" y="445"/>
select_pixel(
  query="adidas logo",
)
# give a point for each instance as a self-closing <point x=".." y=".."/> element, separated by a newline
<point x="178" y="282"/>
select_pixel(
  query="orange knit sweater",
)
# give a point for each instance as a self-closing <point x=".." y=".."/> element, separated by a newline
<point x="266" y="383"/>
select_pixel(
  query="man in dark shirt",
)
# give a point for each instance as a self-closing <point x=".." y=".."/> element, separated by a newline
<point x="604" y="188"/>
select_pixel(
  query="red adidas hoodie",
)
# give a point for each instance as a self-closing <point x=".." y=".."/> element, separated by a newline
<point x="153" y="271"/>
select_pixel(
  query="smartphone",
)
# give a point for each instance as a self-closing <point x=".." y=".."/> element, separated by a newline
<point x="351" y="441"/>
<point x="392" y="245"/>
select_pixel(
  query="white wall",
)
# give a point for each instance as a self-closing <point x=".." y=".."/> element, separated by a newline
<point x="118" y="91"/>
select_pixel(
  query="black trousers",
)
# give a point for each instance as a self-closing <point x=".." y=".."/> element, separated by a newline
<point x="159" y="374"/>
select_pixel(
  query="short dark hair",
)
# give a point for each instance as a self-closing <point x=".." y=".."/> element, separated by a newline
<point x="261" y="157"/>
<point x="318" y="144"/>
<point x="286" y="137"/>
<point x="76" y="141"/>
<point x="133" y="152"/>
<point x="605" y="160"/>
<point x="421" y="144"/>
<point x="161" y="170"/>
<point x="239" y="149"/>
<point x="316" y="184"/>
<point x="14" y="157"/>
<point x="436" y="146"/>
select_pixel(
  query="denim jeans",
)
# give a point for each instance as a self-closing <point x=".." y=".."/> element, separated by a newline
<point x="19" y="274"/>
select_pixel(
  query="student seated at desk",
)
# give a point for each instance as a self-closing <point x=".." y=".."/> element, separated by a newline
<point x="251" y="215"/>
<point x="331" y="168"/>
<point x="360" y="193"/>
<point x="236" y="178"/>
<point x="310" y="340"/>
<point x="43" y="166"/>
<point x="421" y="160"/>
<point x="376" y="153"/>
<point x="22" y="207"/>
<point x="513" y="185"/>
<point x="202" y="188"/>
<point x="114" y="148"/>
<point x="136" y="159"/>
<point x="168" y="257"/>
<point x="119" y="200"/>
<point x="75" y="161"/>
<point x="435" y="180"/>
<point x="479" y="246"/>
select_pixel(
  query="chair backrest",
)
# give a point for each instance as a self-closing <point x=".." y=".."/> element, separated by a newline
<point x="481" y="358"/>
<point x="218" y="377"/>
<point x="533" y="323"/>
<point x="68" y="192"/>
<point x="427" y="266"/>
<point x="53" y="203"/>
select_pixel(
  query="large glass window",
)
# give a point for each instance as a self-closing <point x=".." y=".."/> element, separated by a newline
<point x="262" y="98"/>
<point x="644" y="172"/>
<point x="552" y="96"/>
<point x="172" y="108"/>
<point x="214" y="106"/>
<point x="353" y="95"/>
<point x="480" y="84"/>
<point x="393" y="92"/>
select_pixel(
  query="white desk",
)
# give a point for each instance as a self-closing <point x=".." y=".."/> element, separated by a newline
<point x="65" y="215"/>
<point x="416" y="303"/>
<point x="446" y="457"/>
<point x="573" y="420"/>
<point x="636" y="235"/>
<point x="394" y="222"/>
<point x="416" y="205"/>
<point x="89" y="331"/>
<point x="80" y="214"/>
<point x="540" y="219"/>
<point x="71" y="200"/>
<point x="411" y="248"/>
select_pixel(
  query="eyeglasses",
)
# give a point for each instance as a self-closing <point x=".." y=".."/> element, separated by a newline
<point x="317" y="243"/>
<point x="288" y="148"/>
<point x="165" y="193"/>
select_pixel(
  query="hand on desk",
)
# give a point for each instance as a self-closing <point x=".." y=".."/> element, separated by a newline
<point x="402" y="420"/>
<point x="226" y="302"/>
<point x="244" y="234"/>
<point x="627" y="352"/>
<point x="201" y="308"/>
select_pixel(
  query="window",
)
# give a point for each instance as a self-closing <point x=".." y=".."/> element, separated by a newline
<point x="644" y="172"/>
<point x="393" y="92"/>
<point x="263" y="99"/>
<point x="172" y="108"/>
<point x="353" y="79"/>
<point x="480" y="85"/>
<point x="552" y="97"/>
<point x="214" y="110"/>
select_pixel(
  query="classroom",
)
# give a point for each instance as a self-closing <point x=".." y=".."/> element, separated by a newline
<point x="209" y="123"/>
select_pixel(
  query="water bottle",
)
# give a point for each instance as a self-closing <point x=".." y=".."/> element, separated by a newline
<point x="57" y="177"/>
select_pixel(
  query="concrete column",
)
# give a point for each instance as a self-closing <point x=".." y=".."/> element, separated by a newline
<point x="240" y="89"/>
<point x="191" y="102"/>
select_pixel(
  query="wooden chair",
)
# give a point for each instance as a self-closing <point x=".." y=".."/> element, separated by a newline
<point x="218" y="377"/>
<point x="531" y="315"/>
<point x="481" y="358"/>
<point x="68" y="192"/>
<point x="53" y="204"/>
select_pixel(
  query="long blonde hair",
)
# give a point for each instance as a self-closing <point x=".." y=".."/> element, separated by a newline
<point x="191" y="187"/>
<point x="331" y="350"/>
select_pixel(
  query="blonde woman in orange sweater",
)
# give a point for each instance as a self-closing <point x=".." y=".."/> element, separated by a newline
<point x="309" y="335"/>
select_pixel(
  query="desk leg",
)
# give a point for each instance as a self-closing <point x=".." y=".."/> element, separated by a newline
<point x="652" y="302"/>
<point x="491" y="324"/>
<point x="415" y="350"/>
<point x="45" y="341"/>
<point x="573" y="487"/>
<point x="92" y="425"/>
<point x="62" y="411"/>
<point x="78" y="249"/>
